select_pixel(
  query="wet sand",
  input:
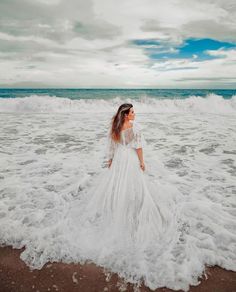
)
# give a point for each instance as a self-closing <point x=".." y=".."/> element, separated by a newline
<point x="15" y="276"/>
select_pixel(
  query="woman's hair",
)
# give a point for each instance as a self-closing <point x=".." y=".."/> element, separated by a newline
<point x="118" y="120"/>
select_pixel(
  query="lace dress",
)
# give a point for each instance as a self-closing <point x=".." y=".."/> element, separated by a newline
<point x="124" y="221"/>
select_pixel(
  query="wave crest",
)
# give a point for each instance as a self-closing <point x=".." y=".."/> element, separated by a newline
<point x="212" y="103"/>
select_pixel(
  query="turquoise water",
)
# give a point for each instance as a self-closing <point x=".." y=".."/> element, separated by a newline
<point x="112" y="93"/>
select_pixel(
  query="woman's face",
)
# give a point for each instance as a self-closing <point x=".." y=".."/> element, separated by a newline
<point x="131" y="115"/>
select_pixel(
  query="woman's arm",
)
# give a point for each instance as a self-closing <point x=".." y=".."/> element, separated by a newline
<point x="109" y="162"/>
<point x="140" y="156"/>
<point x="111" y="150"/>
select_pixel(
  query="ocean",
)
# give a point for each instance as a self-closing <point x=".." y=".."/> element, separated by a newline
<point x="54" y="140"/>
<point x="112" y="93"/>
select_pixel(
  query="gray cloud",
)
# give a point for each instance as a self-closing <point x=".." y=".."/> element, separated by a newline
<point x="100" y="29"/>
<point x="210" y="29"/>
<point x="29" y="50"/>
<point x="221" y="79"/>
<point x="168" y="33"/>
<point x="193" y="29"/>
<point x="60" y="22"/>
<point x="49" y="43"/>
<point x="27" y="84"/>
<point x="221" y="26"/>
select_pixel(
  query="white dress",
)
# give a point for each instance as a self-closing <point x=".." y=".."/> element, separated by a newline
<point x="124" y="221"/>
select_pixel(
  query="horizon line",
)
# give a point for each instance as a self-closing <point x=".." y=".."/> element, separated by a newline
<point x="115" y="88"/>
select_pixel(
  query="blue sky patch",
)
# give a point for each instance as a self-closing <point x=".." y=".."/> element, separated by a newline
<point x="191" y="49"/>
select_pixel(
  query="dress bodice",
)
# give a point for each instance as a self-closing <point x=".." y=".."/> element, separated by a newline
<point x="130" y="137"/>
<point x="127" y="136"/>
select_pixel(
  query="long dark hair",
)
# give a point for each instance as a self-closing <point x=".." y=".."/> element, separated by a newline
<point x="118" y="120"/>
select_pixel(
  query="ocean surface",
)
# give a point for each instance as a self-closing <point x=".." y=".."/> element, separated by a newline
<point x="52" y="142"/>
<point x="113" y="93"/>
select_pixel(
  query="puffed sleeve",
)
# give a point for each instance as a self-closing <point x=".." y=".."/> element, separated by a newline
<point x="139" y="140"/>
<point x="110" y="147"/>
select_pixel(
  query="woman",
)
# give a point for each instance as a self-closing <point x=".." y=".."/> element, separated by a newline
<point x="123" y="132"/>
<point x="124" y="221"/>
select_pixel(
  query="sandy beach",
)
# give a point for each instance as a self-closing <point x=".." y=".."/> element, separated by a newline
<point x="15" y="276"/>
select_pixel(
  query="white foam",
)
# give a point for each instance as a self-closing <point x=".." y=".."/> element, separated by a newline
<point x="45" y="158"/>
<point x="51" y="104"/>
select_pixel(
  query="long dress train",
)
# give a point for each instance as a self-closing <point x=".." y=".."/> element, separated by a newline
<point x="124" y="221"/>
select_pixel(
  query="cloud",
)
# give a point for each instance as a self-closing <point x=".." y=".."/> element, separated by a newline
<point x="107" y="43"/>
<point x="98" y="30"/>
<point x="60" y="21"/>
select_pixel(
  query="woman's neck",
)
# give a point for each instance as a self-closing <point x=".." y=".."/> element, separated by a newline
<point x="126" y="125"/>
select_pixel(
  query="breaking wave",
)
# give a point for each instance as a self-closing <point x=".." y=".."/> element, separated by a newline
<point x="212" y="103"/>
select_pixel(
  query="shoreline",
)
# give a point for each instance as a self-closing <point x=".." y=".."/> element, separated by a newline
<point x="15" y="276"/>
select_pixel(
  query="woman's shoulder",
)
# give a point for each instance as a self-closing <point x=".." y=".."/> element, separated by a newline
<point x="137" y="127"/>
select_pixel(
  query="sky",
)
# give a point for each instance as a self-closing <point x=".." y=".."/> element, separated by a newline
<point x="118" y="44"/>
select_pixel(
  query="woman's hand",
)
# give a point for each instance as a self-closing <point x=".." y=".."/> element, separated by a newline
<point x="142" y="165"/>
<point x="140" y="157"/>
<point x="109" y="163"/>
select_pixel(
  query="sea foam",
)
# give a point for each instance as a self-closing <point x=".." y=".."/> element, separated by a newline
<point x="212" y="103"/>
<point x="51" y="153"/>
